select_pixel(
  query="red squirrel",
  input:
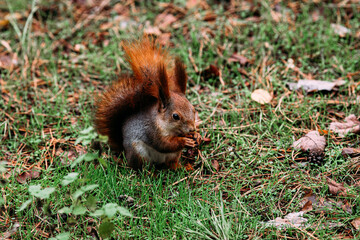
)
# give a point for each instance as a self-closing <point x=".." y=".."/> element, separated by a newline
<point x="146" y="114"/>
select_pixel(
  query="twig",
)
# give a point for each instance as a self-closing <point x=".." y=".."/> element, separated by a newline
<point x="192" y="61"/>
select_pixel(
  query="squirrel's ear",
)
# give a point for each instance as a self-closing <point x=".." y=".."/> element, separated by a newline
<point x="164" y="93"/>
<point x="180" y="76"/>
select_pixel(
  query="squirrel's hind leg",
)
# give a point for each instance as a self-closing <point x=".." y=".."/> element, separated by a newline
<point x="134" y="159"/>
<point x="172" y="161"/>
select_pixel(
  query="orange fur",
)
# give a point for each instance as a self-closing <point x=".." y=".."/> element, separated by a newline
<point x="132" y="93"/>
<point x="156" y="80"/>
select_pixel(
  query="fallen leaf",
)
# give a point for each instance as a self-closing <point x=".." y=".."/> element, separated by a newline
<point x="312" y="142"/>
<point x="307" y="202"/>
<point x="276" y="16"/>
<point x="261" y="96"/>
<point x="291" y="220"/>
<point x="340" y="29"/>
<point x="79" y="47"/>
<point x="312" y="202"/>
<point x="164" y="39"/>
<point x="351" y="125"/>
<point x="66" y="157"/>
<point x="335" y="187"/>
<point x="238" y="58"/>
<point x="215" y="165"/>
<point x="8" y="61"/>
<point x="192" y="3"/>
<point x="4" y="23"/>
<point x="188" y="167"/>
<point x="6" y="45"/>
<point x="290" y="63"/>
<point x="343" y="236"/>
<point x="315" y="15"/>
<point x="13" y="230"/>
<point x="211" y="72"/>
<point x="346" y="207"/>
<point x="209" y="17"/>
<point x="315" y="85"/>
<point x="25" y="176"/>
<point x="152" y="30"/>
<point x="356" y="223"/>
<point x="164" y="20"/>
<point x="34" y="174"/>
<point x="307" y="206"/>
<point x="129" y="200"/>
<point x="350" y="152"/>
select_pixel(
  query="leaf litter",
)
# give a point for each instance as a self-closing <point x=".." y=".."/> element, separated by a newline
<point x="261" y="96"/>
<point x="312" y="142"/>
<point x="351" y="125"/>
<point x="87" y="13"/>
<point x="315" y="85"/>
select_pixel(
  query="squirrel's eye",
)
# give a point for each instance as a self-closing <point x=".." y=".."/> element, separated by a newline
<point x="176" y="116"/>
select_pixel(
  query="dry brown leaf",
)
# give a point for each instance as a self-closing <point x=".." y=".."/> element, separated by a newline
<point x="12" y="231"/>
<point x="164" y="20"/>
<point x="307" y="202"/>
<point x="312" y="202"/>
<point x="340" y="30"/>
<point x="261" y="96"/>
<point x="291" y="220"/>
<point x="4" y="23"/>
<point x="346" y="207"/>
<point x="238" y="58"/>
<point x="188" y="167"/>
<point x="343" y="236"/>
<point x="164" y="39"/>
<point x="312" y="142"/>
<point x="315" y="15"/>
<point x="215" y="165"/>
<point x="307" y="206"/>
<point x="335" y="187"/>
<point x="209" y="17"/>
<point x="356" y="223"/>
<point x="211" y="72"/>
<point x="8" y="61"/>
<point x="350" y="152"/>
<point x="25" y="176"/>
<point x="351" y="125"/>
<point x="192" y="3"/>
<point x="315" y="85"/>
<point x="276" y="16"/>
<point x="152" y="30"/>
<point x="35" y="174"/>
<point x="66" y="157"/>
<point x="6" y="45"/>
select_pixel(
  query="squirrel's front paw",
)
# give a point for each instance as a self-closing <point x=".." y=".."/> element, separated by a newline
<point x="190" y="142"/>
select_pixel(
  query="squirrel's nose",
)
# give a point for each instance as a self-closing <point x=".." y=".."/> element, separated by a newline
<point x="192" y="128"/>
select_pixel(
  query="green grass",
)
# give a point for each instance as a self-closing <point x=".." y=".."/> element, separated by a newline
<point x="259" y="178"/>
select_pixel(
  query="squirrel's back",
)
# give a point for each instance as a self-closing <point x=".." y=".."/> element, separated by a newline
<point x="146" y="114"/>
<point x="131" y="93"/>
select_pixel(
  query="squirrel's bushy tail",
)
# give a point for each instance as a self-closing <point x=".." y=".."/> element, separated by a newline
<point x="145" y="57"/>
<point x="132" y="93"/>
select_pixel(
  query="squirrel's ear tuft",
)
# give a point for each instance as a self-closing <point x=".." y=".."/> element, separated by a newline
<point x="164" y="93"/>
<point x="180" y="76"/>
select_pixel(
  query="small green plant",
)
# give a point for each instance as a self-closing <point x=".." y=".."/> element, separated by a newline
<point x="80" y="207"/>
<point x="61" y="236"/>
<point x="86" y="136"/>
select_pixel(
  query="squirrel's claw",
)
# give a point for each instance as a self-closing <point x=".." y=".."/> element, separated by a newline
<point x="190" y="142"/>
